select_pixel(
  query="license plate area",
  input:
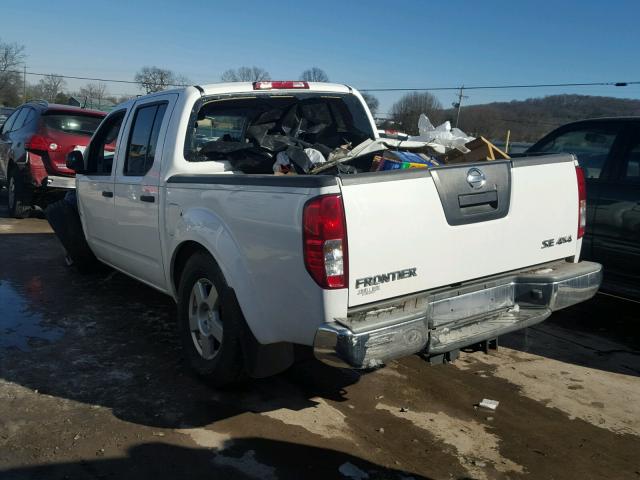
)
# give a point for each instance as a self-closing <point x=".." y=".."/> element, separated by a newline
<point x="470" y="305"/>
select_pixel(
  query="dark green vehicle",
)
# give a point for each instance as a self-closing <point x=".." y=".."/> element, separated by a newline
<point x="608" y="149"/>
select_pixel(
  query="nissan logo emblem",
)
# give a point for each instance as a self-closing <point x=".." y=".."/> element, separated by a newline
<point x="475" y="178"/>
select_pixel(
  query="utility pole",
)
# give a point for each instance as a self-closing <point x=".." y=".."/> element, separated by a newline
<point x="458" y="104"/>
<point x="24" y="82"/>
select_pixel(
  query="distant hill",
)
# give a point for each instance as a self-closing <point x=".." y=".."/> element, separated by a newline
<point x="530" y="119"/>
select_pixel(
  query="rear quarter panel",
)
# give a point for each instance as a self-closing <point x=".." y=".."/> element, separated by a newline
<point x="255" y="235"/>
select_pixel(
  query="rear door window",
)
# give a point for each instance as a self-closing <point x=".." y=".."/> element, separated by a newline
<point x="631" y="172"/>
<point x="141" y="149"/>
<point x="71" y="123"/>
<point x="590" y="143"/>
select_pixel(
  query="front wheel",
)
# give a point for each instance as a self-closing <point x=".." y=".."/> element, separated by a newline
<point x="15" y="197"/>
<point x="210" y="329"/>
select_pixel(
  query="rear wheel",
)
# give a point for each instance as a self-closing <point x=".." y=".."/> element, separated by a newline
<point x="210" y="329"/>
<point x="18" y="208"/>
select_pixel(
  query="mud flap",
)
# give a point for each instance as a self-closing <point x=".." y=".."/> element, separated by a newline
<point x="260" y="361"/>
<point x="64" y="219"/>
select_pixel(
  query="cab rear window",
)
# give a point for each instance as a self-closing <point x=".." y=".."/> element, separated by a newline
<point x="269" y="123"/>
<point x="71" y="123"/>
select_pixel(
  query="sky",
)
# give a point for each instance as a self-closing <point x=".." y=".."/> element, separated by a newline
<point x="366" y="44"/>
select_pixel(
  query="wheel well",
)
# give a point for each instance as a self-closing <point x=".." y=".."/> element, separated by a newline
<point x="185" y="251"/>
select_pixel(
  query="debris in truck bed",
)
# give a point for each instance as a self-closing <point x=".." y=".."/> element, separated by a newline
<point x="480" y="149"/>
<point x="441" y="138"/>
<point x="296" y="160"/>
<point x="286" y="141"/>
<point x="393" y="160"/>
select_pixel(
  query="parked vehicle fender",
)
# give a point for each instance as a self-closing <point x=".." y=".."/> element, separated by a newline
<point x="203" y="227"/>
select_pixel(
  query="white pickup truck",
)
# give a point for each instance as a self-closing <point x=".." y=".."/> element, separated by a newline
<point x="177" y="190"/>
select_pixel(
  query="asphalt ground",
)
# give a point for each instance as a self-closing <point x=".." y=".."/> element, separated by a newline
<point x="93" y="386"/>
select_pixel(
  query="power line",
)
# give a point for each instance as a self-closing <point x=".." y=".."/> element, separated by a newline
<point x="474" y="87"/>
<point x="93" y="79"/>
<point x="488" y="87"/>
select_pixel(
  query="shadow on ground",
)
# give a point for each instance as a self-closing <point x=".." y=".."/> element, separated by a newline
<point x="247" y="458"/>
<point x="108" y="340"/>
<point x="603" y="333"/>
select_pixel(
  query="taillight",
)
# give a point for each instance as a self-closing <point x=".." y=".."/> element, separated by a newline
<point x="38" y="143"/>
<point x="277" y="85"/>
<point x="325" y="241"/>
<point x="582" y="202"/>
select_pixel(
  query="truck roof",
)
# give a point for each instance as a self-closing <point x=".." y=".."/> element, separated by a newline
<point x="247" y="87"/>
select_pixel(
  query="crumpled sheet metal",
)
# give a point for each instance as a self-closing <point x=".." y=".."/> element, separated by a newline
<point x="441" y="138"/>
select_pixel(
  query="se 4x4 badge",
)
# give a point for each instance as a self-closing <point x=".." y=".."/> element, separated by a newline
<point x="553" y="242"/>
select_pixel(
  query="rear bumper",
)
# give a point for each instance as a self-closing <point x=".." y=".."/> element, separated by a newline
<point x="55" y="181"/>
<point x="449" y="319"/>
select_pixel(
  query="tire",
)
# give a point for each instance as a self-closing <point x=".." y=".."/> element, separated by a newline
<point x="15" y="196"/>
<point x="65" y="221"/>
<point x="210" y="322"/>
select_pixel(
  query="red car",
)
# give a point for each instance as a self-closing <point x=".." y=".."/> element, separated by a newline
<point x="34" y="143"/>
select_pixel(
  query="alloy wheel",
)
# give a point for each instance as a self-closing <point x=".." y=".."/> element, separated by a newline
<point x="204" y="319"/>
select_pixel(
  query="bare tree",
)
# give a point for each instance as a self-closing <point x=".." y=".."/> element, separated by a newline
<point x="155" y="79"/>
<point x="372" y="102"/>
<point x="11" y="57"/>
<point x="93" y="94"/>
<point x="33" y="92"/>
<point x="182" y="80"/>
<point x="407" y="110"/>
<point x="124" y="98"/>
<point x="50" y="86"/>
<point x="245" y="74"/>
<point x="314" y="74"/>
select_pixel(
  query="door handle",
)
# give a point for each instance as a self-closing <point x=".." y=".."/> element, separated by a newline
<point x="147" y="198"/>
<point x="106" y="193"/>
<point x="473" y="199"/>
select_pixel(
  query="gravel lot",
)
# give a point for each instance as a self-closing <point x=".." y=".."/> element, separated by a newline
<point x="92" y="386"/>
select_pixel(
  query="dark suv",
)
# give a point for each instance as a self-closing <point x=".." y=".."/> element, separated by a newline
<point x="34" y="143"/>
<point x="608" y="149"/>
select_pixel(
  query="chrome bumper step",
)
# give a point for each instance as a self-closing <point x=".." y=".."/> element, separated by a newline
<point x="451" y="319"/>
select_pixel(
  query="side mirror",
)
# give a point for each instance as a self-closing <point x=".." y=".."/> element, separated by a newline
<point x="75" y="161"/>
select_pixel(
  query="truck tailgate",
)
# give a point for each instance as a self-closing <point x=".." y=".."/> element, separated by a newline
<point x="415" y="230"/>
